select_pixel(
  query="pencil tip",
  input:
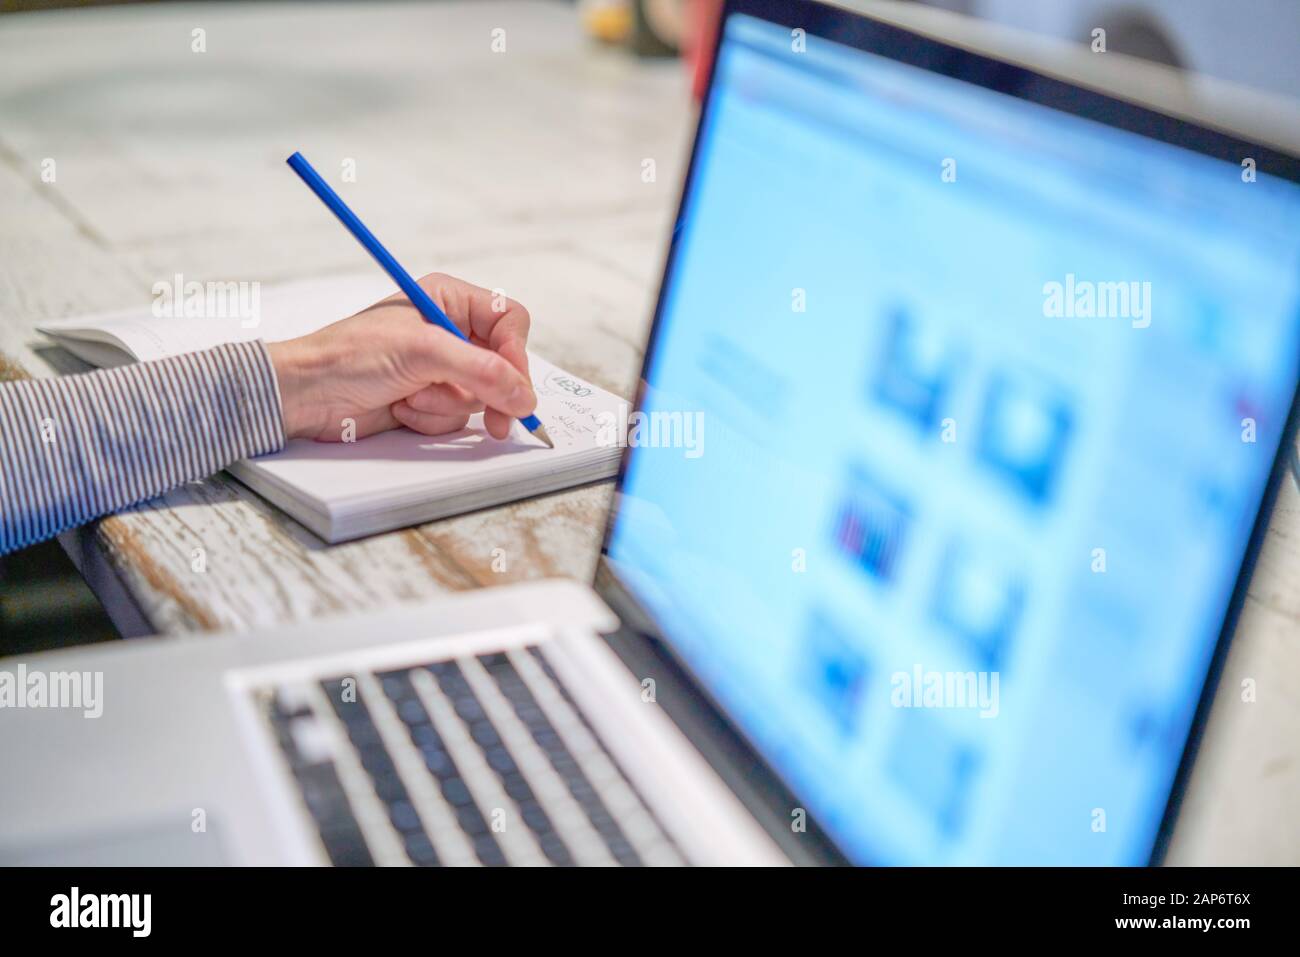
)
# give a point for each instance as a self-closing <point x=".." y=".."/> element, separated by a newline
<point x="541" y="433"/>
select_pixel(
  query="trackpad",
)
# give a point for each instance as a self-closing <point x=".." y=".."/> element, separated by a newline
<point x="165" y="841"/>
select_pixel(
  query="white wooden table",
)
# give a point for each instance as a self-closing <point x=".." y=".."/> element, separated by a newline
<point x="520" y="169"/>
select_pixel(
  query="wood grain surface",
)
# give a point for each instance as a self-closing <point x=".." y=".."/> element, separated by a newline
<point x="522" y="170"/>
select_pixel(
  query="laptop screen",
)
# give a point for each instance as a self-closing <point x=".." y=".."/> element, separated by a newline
<point x="958" y="416"/>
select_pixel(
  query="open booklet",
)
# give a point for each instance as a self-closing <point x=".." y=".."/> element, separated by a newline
<point x="346" y="490"/>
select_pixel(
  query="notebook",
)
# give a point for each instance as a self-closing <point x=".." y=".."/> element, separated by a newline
<point x="343" y="491"/>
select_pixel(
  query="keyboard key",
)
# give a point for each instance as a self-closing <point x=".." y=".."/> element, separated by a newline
<point x="499" y="759"/>
<point x="420" y="850"/>
<point x="346" y="846"/>
<point x="377" y="762"/>
<point x="396" y="685"/>
<point x="363" y="734"/>
<point x="425" y="735"/>
<point x="412" y="712"/>
<point x="468" y="709"/>
<point x="484" y="734"/>
<point x="488" y="851"/>
<point x="624" y="853"/>
<point x="516" y="786"/>
<point x="402" y="814"/>
<point x="456" y="793"/>
<point x="471" y="820"/>
<point x="534" y="816"/>
<point x="389" y="787"/>
<point x="555" y="850"/>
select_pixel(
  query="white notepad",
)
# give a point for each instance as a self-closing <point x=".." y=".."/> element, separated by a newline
<point x="391" y="480"/>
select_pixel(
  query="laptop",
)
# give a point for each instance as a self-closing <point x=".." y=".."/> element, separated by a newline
<point x="963" y="410"/>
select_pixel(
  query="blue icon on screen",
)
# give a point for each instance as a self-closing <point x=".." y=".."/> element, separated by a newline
<point x="1025" y="433"/>
<point x="979" y="597"/>
<point x="916" y="368"/>
<point x="934" y="769"/>
<point x="836" y="672"/>
<point x="870" y="527"/>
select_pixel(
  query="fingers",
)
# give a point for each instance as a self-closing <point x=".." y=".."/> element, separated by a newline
<point x="444" y="398"/>
<point x="514" y="352"/>
<point x="428" y="423"/>
<point x="451" y="402"/>
<point x="441" y="357"/>
<point x="489" y="371"/>
<point x="497" y="423"/>
<point x="440" y="404"/>
<point x="487" y="315"/>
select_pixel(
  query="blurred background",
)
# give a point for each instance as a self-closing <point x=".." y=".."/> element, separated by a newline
<point x="1251" y="42"/>
<point x="43" y="600"/>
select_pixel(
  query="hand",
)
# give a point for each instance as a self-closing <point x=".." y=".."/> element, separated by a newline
<point x="387" y="367"/>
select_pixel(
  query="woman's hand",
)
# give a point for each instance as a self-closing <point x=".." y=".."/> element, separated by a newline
<point x="387" y="367"/>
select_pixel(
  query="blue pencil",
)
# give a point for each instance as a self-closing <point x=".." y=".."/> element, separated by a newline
<point x="419" y="298"/>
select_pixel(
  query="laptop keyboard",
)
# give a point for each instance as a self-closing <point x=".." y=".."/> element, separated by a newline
<point x="484" y="760"/>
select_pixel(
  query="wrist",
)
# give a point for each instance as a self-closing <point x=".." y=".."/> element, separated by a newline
<point x="294" y="380"/>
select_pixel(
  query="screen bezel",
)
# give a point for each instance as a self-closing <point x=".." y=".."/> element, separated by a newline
<point x="705" y="721"/>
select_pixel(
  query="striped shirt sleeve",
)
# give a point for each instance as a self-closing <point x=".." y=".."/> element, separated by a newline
<point x="78" y="447"/>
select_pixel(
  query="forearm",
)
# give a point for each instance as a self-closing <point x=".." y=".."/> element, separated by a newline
<point x="78" y="447"/>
